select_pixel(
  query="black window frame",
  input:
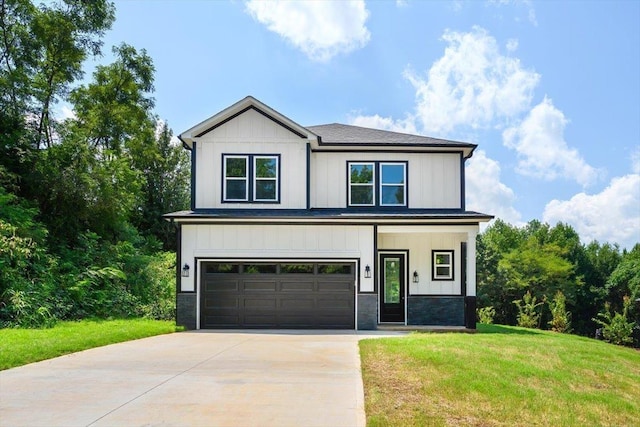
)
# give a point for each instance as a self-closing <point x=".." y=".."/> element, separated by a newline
<point x="251" y="178"/>
<point x="378" y="184"/>
<point x="434" y="276"/>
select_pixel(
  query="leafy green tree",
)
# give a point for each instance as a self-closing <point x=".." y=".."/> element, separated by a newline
<point x="165" y="168"/>
<point x="493" y="288"/>
<point x="595" y="266"/>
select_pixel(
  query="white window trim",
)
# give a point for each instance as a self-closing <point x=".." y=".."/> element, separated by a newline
<point x="372" y="185"/>
<point x="255" y="178"/>
<point x="437" y="276"/>
<point x="404" y="184"/>
<point x="226" y="179"/>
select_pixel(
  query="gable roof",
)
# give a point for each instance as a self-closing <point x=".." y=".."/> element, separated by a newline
<point x="245" y="104"/>
<point x="334" y="136"/>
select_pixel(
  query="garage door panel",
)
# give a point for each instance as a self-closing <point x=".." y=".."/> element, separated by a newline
<point x="333" y="304"/>
<point x="297" y="296"/>
<point x="286" y="286"/>
<point x="221" y="285"/>
<point x="335" y="286"/>
<point x="227" y="303"/>
<point x="221" y="321"/>
<point x="299" y="304"/>
<point x="254" y="285"/>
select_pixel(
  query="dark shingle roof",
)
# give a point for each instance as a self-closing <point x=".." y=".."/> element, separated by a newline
<point x="372" y="214"/>
<point x="336" y="133"/>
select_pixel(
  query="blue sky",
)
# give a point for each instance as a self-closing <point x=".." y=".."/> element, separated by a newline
<point x="549" y="90"/>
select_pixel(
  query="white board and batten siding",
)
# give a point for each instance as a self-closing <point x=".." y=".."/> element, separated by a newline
<point x="420" y="247"/>
<point x="251" y="133"/>
<point x="277" y="242"/>
<point x="433" y="178"/>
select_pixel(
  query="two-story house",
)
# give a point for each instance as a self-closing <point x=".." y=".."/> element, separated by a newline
<point x="329" y="226"/>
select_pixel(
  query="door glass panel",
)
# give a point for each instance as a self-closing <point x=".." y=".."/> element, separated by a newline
<point x="392" y="280"/>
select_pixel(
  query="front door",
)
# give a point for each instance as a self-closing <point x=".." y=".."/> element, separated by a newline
<point x="392" y="283"/>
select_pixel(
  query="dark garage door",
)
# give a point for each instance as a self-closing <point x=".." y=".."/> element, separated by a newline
<point x="290" y="295"/>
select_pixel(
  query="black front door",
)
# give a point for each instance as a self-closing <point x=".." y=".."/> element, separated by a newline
<point x="392" y="283"/>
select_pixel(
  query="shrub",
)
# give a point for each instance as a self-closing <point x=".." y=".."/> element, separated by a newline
<point x="528" y="316"/>
<point x="560" y="317"/>
<point x="616" y="327"/>
<point x="486" y="315"/>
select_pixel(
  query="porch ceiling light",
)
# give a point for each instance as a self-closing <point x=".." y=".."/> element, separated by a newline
<point x="416" y="277"/>
<point x="185" y="270"/>
<point x="367" y="272"/>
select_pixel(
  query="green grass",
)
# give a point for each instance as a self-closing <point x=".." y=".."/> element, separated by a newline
<point x="502" y="376"/>
<point x="22" y="346"/>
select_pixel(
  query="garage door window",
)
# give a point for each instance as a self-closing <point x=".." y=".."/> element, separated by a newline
<point x="223" y="268"/>
<point x="260" y="269"/>
<point x="334" y="268"/>
<point x="296" y="268"/>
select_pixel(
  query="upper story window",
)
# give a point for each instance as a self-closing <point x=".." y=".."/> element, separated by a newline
<point x="250" y="178"/>
<point x="377" y="184"/>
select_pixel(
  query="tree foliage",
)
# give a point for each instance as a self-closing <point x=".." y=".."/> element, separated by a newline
<point x="550" y="264"/>
<point x="81" y="199"/>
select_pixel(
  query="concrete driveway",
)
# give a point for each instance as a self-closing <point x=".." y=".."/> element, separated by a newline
<point x="203" y="378"/>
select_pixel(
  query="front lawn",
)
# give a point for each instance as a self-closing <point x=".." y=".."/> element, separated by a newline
<point x="22" y="346"/>
<point x="502" y="376"/>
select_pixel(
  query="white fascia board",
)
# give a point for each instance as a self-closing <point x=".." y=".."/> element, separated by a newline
<point x="189" y="135"/>
<point x="453" y="228"/>
<point x="399" y="223"/>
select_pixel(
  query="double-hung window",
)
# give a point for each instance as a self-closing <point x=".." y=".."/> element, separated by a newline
<point x="236" y="178"/>
<point x="361" y="184"/>
<point x="250" y="178"/>
<point x="377" y="184"/>
<point x="392" y="183"/>
<point x="265" y="178"/>
<point x="442" y="265"/>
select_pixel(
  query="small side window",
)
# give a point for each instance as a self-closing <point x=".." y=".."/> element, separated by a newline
<point x="442" y="265"/>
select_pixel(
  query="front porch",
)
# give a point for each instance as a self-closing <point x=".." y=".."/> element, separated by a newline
<point x="423" y="275"/>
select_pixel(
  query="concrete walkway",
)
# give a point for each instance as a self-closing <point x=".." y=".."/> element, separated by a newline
<point x="204" y="378"/>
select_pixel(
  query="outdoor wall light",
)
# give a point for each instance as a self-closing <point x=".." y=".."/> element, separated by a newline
<point x="416" y="277"/>
<point x="185" y="270"/>
<point x="367" y="272"/>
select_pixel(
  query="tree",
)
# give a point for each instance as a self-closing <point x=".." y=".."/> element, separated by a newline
<point x="166" y="170"/>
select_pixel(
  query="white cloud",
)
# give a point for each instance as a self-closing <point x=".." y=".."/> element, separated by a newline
<point x="485" y="192"/>
<point x="610" y="216"/>
<point x="512" y="45"/>
<point x="542" y="150"/>
<point x="320" y="29"/>
<point x="473" y="84"/>
<point x="385" y="123"/>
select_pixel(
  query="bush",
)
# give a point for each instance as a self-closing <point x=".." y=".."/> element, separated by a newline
<point x="560" y="317"/>
<point x="486" y="315"/>
<point x="528" y="316"/>
<point x="616" y="328"/>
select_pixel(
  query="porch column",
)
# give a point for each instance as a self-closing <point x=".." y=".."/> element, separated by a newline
<point x="470" y="298"/>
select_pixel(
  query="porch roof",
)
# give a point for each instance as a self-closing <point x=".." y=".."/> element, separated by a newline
<point x="427" y="216"/>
